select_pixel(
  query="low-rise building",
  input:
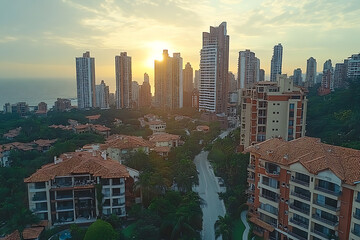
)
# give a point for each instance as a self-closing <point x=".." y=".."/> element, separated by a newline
<point x="119" y="147"/>
<point x="93" y="118"/>
<point x="13" y="133"/>
<point x="67" y="190"/>
<point x="157" y="126"/>
<point x="62" y="104"/>
<point x="165" y="140"/>
<point x="304" y="189"/>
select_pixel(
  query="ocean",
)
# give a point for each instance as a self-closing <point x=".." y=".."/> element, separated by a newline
<point x="34" y="91"/>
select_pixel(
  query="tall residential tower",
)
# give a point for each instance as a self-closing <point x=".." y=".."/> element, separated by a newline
<point x="276" y="62"/>
<point x="248" y="69"/>
<point x="214" y="66"/>
<point x="123" y="81"/>
<point x="310" y="72"/>
<point x="85" y="81"/>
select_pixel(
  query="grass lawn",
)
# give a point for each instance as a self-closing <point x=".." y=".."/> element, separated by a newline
<point x="129" y="230"/>
<point x="238" y="229"/>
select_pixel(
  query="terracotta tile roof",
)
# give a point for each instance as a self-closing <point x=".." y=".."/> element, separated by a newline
<point x="93" y="117"/>
<point x="262" y="224"/>
<point x="203" y="128"/>
<point x="17" y="145"/>
<point x="12" y="236"/>
<point x="313" y="155"/>
<point x="163" y="149"/>
<point x="61" y="127"/>
<point x="44" y="142"/>
<point x="80" y="163"/>
<point x="165" y="137"/>
<point x="125" y="142"/>
<point x="32" y="233"/>
<point x="12" y="133"/>
<point x="100" y="128"/>
<point x="82" y="127"/>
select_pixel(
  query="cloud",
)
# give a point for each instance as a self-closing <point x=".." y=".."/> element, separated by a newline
<point x="7" y="39"/>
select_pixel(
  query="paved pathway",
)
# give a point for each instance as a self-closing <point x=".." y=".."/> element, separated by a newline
<point x="208" y="190"/>
<point x="246" y="224"/>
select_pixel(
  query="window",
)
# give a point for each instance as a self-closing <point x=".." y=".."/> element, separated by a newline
<point x="292" y="106"/>
<point x="291" y="122"/>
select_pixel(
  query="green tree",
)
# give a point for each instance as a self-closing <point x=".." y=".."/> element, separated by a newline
<point x="100" y="230"/>
<point x="223" y="227"/>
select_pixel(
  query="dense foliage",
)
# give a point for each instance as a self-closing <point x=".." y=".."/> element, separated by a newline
<point x="335" y="117"/>
<point x="100" y="230"/>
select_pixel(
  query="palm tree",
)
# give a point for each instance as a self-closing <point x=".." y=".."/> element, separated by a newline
<point x="223" y="227"/>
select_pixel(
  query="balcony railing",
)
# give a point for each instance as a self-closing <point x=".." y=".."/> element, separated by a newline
<point x="335" y="209"/>
<point x="300" y="209"/>
<point x="300" y="195"/>
<point x="324" y="190"/>
<point x="251" y="167"/>
<point x="272" y="172"/>
<point x="320" y="233"/>
<point x="274" y="199"/>
<point x="357" y="216"/>
<point x="39" y="209"/>
<point x="329" y="222"/>
<point x="299" y="223"/>
<point x="297" y="236"/>
<point x="251" y="179"/>
<point x="355" y="232"/>
<point x="299" y="181"/>
<point x="63" y="196"/>
<point x="68" y="207"/>
<point x="39" y="198"/>
<point x="357" y="199"/>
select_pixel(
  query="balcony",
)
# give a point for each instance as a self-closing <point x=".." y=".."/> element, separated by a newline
<point x="66" y="207"/>
<point x="83" y="195"/>
<point x="326" y="221"/>
<point x="357" y="233"/>
<point x="37" y="197"/>
<point x="39" y="209"/>
<point x="251" y="167"/>
<point x="299" y="181"/>
<point x="357" y="199"/>
<point x="324" y="190"/>
<point x="271" y="198"/>
<point x="299" y="223"/>
<point x="300" y="209"/>
<point x="297" y="236"/>
<point x="357" y="216"/>
<point x="250" y="179"/>
<point x="320" y="233"/>
<point x="61" y="197"/>
<point x="329" y="207"/>
<point x="301" y="195"/>
<point x="250" y="191"/>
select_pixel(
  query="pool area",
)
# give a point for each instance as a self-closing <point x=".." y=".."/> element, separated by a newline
<point x="65" y="235"/>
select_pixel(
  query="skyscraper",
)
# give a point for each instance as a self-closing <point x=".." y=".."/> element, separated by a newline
<point x="85" y="81"/>
<point x="214" y="66"/>
<point x="327" y="82"/>
<point x="276" y="62"/>
<point x="197" y="79"/>
<point x="102" y="95"/>
<point x="145" y="92"/>
<point x="298" y="77"/>
<point x="261" y="75"/>
<point x="339" y="75"/>
<point x="135" y="90"/>
<point x="188" y="75"/>
<point x="310" y="72"/>
<point x="233" y="84"/>
<point x="169" y="81"/>
<point x="123" y="81"/>
<point x="248" y="69"/>
<point x="353" y="66"/>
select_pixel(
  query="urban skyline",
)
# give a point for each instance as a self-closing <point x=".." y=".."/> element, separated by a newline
<point x="319" y="19"/>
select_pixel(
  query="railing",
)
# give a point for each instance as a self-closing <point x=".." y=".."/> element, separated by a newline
<point x="39" y="209"/>
<point x="300" y="195"/>
<point x="274" y="172"/>
<point x="63" y="196"/>
<point x="320" y="233"/>
<point x="252" y="179"/>
<point x="299" y="209"/>
<point x="118" y="203"/>
<point x="297" y="236"/>
<point x="295" y="180"/>
<point x="69" y="207"/>
<point x="39" y="198"/>
<point x="274" y="199"/>
<point x="329" y="222"/>
<point x="335" y="209"/>
<point x="251" y="167"/>
<point x="357" y="216"/>
<point x="328" y="191"/>
<point x="83" y="195"/>
<point x="299" y="223"/>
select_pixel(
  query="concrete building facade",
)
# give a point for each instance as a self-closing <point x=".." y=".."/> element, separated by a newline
<point x="188" y="75"/>
<point x="248" y="69"/>
<point x="272" y="109"/>
<point x="102" y="95"/>
<point x="310" y="72"/>
<point x="276" y="62"/>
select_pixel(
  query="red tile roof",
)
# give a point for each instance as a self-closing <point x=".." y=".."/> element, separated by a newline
<point x="165" y="137"/>
<point x="80" y="163"/>
<point x="13" y="133"/>
<point x="163" y="149"/>
<point x="313" y="155"/>
<point x="32" y="233"/>
<point x="100" y="128"/>
<point x="12" y="236"/>
<point x="125" y="142"/>
<point x="44" y="142"/>
<point x="93" y="117"/>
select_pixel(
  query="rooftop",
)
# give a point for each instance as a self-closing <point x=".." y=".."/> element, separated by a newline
<point x="165" y="137"/>
<point x="313" y="155"/>
<point x="12" y="236"/>
<point x="32" y="233"/>
<point x="79" y="163"/>
<point x="125" y="142"/>
<point x="93" y="117"/>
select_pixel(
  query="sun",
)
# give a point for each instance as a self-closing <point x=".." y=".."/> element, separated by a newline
<point x="154" y="52"/>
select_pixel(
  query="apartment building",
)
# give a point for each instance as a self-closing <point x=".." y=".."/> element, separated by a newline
<point x="123" y="74"/>
<point x="66" y="191"/>
<point x="272" y="109"/>
<point x="85" y="81"/>
<point x="304" y="189"/>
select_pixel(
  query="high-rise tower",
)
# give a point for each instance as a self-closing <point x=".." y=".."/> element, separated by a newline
<point x="276" y="62"/>
<point x="248" y="69"/>
<point x="123" y="81"/>
<point x="85" y="81"/>
<point x="310" y="72"/>
<point x="214" y="66"/>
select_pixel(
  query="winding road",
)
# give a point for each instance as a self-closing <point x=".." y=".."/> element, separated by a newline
<point x="208" y="190"/>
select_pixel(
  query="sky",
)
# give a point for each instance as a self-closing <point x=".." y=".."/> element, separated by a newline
<point x="41" y="38"/>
